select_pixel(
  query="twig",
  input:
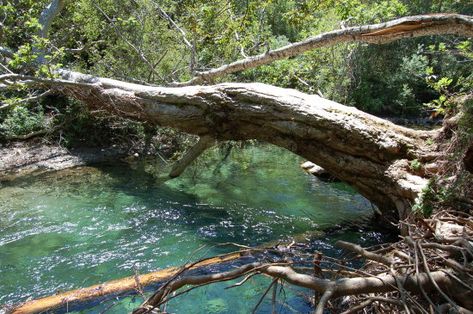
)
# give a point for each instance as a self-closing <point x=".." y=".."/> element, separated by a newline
<point x="369" y="255"/>
<point x="429" y="274"/>
<point x="264" y="295"/>
<point x="238" y="284"/>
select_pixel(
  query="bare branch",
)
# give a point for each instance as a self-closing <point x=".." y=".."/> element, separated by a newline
<point x="137" y="50"/>
<point x="368" y="255"/>
<point x="406" y="27"/>
<point x="47" y="16"/>
<point x="25" y="100"/>
<point x="203" y="144"/>
<point x="193" y="61"/>
<point x="354" y="286"/>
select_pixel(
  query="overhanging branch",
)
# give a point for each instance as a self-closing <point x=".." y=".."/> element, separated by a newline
<point x="410" y="26"/>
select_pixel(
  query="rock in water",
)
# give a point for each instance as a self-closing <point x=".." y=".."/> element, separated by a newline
<point x="318" y="171"/>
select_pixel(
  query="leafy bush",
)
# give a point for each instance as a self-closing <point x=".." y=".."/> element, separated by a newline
<point x="21" y="121"/>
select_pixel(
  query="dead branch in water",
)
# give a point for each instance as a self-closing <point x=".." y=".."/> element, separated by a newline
<point x="422" y="270"/>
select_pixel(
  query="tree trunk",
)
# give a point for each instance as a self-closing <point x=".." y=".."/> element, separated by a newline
<point x="371" y="154"/>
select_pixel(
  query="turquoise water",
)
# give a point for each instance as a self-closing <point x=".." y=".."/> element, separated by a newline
<point x="87" y="225"/>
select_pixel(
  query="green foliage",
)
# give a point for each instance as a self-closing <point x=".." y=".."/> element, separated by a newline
<point x="21" y="121"/>
<point x="415" y="165"/>
<point x="450" y="76"/>
<point x="20" y="21"/>
<point x="81" y="128"/>
<point x="428" y="199"/>
<point x="362" y="12"/>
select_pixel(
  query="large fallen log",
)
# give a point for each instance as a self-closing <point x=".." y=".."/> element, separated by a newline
<point x="370" y="153"/>
<point x="129" y="285"/>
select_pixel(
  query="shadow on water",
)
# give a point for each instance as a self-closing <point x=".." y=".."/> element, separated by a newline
<point x="87" y="225"/>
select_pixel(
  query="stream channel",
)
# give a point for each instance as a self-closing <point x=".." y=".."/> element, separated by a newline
<point x="82" y="226"/>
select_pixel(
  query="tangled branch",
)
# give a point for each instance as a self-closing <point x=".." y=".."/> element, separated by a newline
<point x="422" y="270"/>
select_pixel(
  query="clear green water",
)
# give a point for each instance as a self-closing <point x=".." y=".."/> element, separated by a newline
<point x="83" y="226"/>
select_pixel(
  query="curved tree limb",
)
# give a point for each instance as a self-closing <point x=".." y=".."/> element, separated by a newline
<point x="355" y="286"/>
<point x="368" y="255"/>
<point x="406" y="27"/>
<point x="47" y="16"/>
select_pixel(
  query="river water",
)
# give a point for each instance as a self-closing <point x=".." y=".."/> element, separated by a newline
<point x="87" y="225"/>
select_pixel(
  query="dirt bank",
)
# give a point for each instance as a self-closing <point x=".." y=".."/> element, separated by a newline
<point x="35" y="157"/>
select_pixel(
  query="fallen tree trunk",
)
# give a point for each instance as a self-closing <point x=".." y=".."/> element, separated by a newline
<point x="370" y="153"/>
<point x="76" y="298"/>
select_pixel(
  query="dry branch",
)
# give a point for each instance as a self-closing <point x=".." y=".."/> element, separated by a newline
<point x="366" y="254"/>
<point x="115" y="287"/>
<point x="406" y="27"/>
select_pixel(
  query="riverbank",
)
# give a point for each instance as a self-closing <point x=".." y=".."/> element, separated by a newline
<point x="20" y="159"/>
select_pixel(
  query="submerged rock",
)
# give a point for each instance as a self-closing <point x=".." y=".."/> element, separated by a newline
<point x="319" y="172"/>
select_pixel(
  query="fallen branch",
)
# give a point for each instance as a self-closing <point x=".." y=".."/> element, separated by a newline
<point x="195" y="151"/>
<point x="366" y="254"/>
<point x="410" y="26"/>
<point x="116" y="287"/>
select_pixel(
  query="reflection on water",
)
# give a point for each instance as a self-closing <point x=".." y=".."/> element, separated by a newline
<point x="84" y="226"/>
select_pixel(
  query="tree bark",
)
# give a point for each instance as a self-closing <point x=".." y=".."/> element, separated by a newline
<point x="77" y="298"/>
<point x="406" y="27"/>
<point x="371" y="154"/>
<point x="194" y="152"/>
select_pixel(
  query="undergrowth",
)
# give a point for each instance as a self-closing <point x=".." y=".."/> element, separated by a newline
<point x="452" y="187"/>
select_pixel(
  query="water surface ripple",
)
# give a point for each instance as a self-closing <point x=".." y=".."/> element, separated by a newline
<point x="87" y="225"/>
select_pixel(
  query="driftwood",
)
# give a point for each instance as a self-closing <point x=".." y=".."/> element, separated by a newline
<point x="422" y="276"/>
<point x="420" y="270"/>
<point x="133" y="284"/>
